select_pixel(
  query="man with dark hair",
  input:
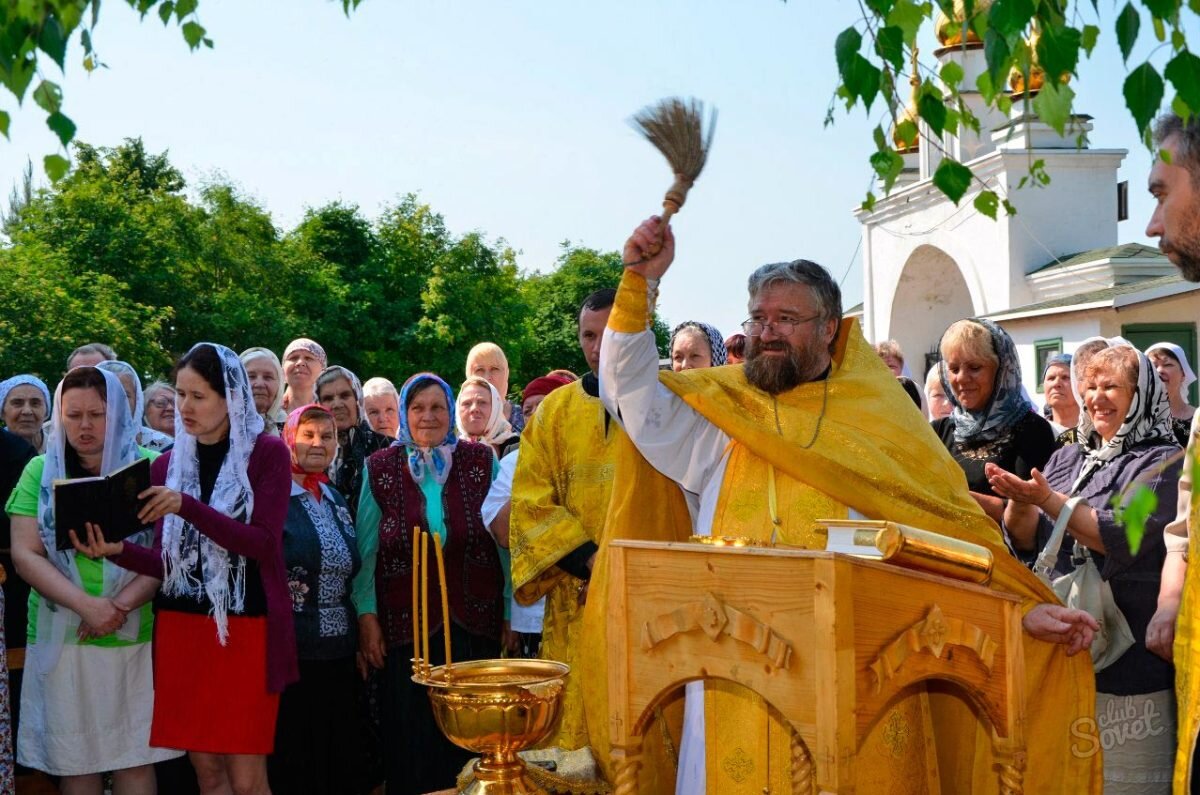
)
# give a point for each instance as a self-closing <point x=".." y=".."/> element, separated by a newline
<point x="1175" y="185"/>
<point x="811" y="428"/>
<point x="559" y="498"/>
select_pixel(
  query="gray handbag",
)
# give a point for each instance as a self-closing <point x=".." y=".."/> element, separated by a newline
<point x="1083" y="588"/>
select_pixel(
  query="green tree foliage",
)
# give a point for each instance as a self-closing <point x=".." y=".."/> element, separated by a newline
<point x="120" y="251"/>
<point x="554" y="300"/>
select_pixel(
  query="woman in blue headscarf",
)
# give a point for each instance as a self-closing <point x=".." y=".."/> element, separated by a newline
<point x="993" y="419"/>
<point x="429" y="479"/>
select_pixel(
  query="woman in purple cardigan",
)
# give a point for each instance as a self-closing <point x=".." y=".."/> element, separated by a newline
<point x="224" y="637"/>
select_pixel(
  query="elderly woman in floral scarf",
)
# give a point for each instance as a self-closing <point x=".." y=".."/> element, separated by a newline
<point x="993" y="419"/>
<point x="429" y="479"/>
<point x="318" y="739"/>
<point x="1133" y="444"/>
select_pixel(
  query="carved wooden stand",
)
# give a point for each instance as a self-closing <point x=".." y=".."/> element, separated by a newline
<point x="829" y="640"/>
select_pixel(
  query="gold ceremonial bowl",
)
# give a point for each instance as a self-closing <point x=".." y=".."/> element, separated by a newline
<point x="497" y="708"/>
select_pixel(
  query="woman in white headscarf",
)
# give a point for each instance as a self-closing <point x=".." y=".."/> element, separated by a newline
<point x="266" y="383"/>
<point x="225" y="644"/>
<point x="480" y="417"/>
<point x="1172" y="366"/>
<point x="146" y="436"/>
<point x="24" y="406"/>
<point x="340" y="391"/>
<point x="87" y="695"/>
<point x="303" y="360"/>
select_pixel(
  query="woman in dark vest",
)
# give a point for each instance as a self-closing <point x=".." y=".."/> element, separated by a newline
<point x="431" y="480"/>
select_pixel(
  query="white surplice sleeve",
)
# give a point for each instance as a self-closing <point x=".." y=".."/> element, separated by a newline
<point x="676" y="440"/>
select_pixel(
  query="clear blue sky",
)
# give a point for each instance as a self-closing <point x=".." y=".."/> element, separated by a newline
<point x="509" y="118"/>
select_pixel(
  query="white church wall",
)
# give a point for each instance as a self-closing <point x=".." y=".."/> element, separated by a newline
<point x="1072" y="328"/>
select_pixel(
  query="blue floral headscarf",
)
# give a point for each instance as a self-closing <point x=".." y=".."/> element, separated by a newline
<point x="716" y="343"/>
<point x="426" y="459"/>
<point x="1009" y="403"/>
<point x="24" y="379"/>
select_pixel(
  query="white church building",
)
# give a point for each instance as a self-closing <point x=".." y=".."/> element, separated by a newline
<point x="1052" y="275"/>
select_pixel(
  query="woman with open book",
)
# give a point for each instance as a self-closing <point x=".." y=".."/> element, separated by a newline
<point x="225" y="645"/>
<point x="88" y="696"/>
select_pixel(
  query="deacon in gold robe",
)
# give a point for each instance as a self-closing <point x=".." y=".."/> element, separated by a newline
<point x="813" y="426"/>
<point x="560" y="495"/>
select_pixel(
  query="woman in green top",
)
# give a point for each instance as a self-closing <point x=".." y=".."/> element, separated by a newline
<point x="87" y="701"/>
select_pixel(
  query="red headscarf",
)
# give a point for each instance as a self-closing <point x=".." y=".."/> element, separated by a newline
<point x="312" y="480"/>
<point x="543" y="386"/>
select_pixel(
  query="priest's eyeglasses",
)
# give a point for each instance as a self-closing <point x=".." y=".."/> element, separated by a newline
<point x="780" y="328"/>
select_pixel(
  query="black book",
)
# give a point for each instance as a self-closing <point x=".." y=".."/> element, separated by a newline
<point x="110" y="502"/>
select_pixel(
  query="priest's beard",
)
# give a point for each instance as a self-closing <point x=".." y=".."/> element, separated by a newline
<point x="1183" y="249"/>
<point x="775" y="374"/>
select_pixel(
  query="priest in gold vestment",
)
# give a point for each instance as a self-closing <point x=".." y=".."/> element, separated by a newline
<point x="560" y="496"/>
<point x="813" y="426"/>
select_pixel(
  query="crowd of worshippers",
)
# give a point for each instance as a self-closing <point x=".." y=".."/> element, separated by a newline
<point x="273" y="590"/>
<point x="261" y="622"/>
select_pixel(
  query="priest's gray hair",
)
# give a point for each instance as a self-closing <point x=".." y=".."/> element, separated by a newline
<point x="1187" y="141"/>
<point x="807" y="273"/>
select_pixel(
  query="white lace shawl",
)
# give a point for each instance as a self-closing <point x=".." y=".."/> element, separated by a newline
<point x="56" y="623"/>
<point x="183" y="544"/>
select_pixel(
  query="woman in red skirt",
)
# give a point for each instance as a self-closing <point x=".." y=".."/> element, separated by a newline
<point x="224" y="641"/>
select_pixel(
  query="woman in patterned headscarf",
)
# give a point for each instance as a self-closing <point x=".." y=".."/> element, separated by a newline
<point x="225" y="643"/>
<point x="429" y="479"/>
<point x="1133" y="443"/>
<point x="1175" y="371"/>
<point x="993" y="420"/>
<point x="318" y="741"/>
<point x="696" y="345"/>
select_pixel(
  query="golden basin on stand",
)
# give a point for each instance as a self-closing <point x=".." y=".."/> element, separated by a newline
<point x="497" y="708"/>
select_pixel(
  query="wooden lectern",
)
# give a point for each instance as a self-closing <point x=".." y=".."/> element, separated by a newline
<point x="829" y="640"/>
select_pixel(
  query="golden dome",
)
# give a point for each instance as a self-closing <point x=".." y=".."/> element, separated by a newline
<point x="949" y="30"/>
<point x="910" y="112"/>
<point x="1037" y="75"/>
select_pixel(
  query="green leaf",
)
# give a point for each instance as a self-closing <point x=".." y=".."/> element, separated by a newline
<point x="907" y="132"/>
<point x="984" y="84"/>
<point x="1160" y="30"/>
<point x="845" y="48"/>
<point x="53" y="40"/>
<point x="861" y="80"/>
<point x="1134" y="514"/>
<point x="1053" y="105"/>
<point x="63" y="127"/>
<point x="889" y="44"/>
<point x="952" y="178"/>
<point x="1181" y="109"/>
<point x="1184" y="73"/>
<point x="185" y="7"/>
<point x="1163" y="9"/>
<point x="1128" y="23"/>
<point x="932" y="108"/>
<point x="1178" y="40"/>
<point x="21" y="75"/>
<point x="880" y="7"/>
<point x="999" y="57"/>
<point x="4" y="119"/>
<point x="1143" y="94"/>
<point x="56" y="166"/>
<point x="952" y="73"/>
<point x="85" y="38"/>
<point x="869" y="203"/>
<point x="193" y="33"/>
<point x="48" y="96"/>
<point x="887" y="164"/>
<point x="908" y="16"/>
<point x="1009" y="18"/>
<point x="1008" y="208"/>
<point x="987" y="202"/>
<point x="1091" y="34"/>
<point x="1058" y="51"/>
<point x="165" y="10"/>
